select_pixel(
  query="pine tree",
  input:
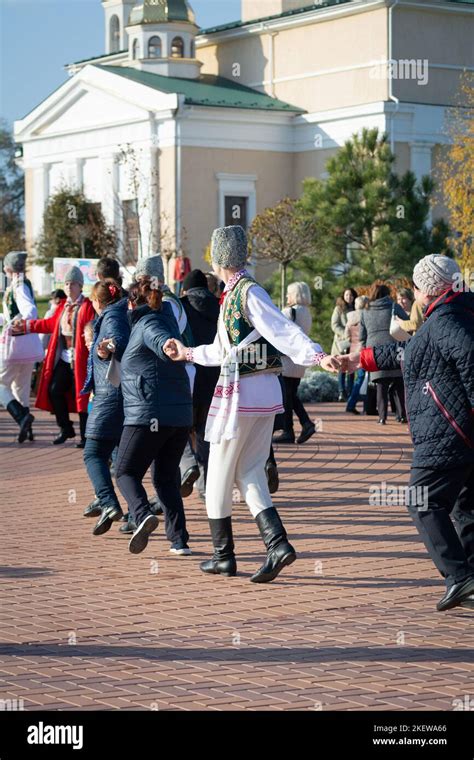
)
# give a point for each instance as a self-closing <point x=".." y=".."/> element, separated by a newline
<point x="371" y="224"/>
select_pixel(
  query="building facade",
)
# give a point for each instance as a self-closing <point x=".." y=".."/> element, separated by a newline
<point x="176" y="130"/>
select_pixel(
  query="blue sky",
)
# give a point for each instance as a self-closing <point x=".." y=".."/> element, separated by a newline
<point x="37" y="37"/>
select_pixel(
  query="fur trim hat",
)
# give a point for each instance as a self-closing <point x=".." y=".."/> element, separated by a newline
<point x="229" y="247"/>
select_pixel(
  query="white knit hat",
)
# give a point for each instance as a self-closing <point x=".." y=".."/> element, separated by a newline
<point x="435" y="273"/>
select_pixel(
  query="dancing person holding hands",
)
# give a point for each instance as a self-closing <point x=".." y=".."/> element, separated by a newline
<point x="438" y="369"/>
<point x="111" y="331"/>
<point x="251" y="336"/>
<point x="158" y="416"/>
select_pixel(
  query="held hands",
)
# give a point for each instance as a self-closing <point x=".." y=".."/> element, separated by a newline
<point x="175" y="350"/>
<point x="331" y="363"/>
<point x="349" y="362"/>
<point x="18" y="327"/>
<point x="105" y="348"/>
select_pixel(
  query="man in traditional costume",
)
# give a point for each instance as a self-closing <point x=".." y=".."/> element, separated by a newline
<point x="252" y="334"/>
<point x="18" y="354"/>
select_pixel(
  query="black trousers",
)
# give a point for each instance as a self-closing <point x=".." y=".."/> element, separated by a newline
<point x="139" y="448"/>
<point x="444" y="517"/>
<point x="293" y="404"/>
<point x="383" y="386"/>
<point x="62" y="381"/>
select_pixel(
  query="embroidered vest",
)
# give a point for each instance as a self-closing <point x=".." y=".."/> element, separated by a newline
<point x="12" y="307"/>
<point x="259" y="356"/>
<point x="186" y="336"/>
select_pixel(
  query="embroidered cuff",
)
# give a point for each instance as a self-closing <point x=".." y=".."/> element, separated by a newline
<point x="367" y="360"/>
<point x="190" y="355"/>
<point x="317" y="358"/>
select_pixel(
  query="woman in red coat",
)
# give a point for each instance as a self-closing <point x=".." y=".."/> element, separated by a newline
<point x="65" y="367"/>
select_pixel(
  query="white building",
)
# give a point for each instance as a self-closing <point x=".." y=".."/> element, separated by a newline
<point x="176" y="130"/>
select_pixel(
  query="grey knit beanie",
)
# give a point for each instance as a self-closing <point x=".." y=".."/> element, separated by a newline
<point x="151" y="266"/>
<point x="434" y="274"/>
<point x="16" y="261"/>
<point x="74" y="274"/>
<point x="229" y="247"/>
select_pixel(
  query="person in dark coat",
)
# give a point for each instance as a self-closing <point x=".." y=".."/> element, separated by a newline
<point x="105" y="421"/>
<point x="438" y="367"/>
<point x="374" y="331"/>
<point x="158" y="417"/>
<point x="202" y="311"/>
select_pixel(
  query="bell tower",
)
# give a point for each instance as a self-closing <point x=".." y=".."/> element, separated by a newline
<point x="162" y="37"/>
<point x="116" y="14"/>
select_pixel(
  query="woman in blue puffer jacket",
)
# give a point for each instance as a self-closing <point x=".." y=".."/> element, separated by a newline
<point x="105" y="421"/>
<point x="158" y="414"/>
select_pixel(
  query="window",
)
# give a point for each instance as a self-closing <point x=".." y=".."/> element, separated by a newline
<point x="114" y="34"/>
<point x="135" y="49"/>
<point x="236" y="210"/>
<point x="154" y="47"/>
<point x="193" y="49"/>
<point x="131" y="231"/>
<point x="177" y="48"/>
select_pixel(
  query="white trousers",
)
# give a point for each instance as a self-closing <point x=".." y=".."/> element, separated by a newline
<point x="241" y="462"/>
<point x="15" y="382"/>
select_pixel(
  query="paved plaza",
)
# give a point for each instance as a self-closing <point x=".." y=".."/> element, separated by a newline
<point x="352" y="625"/>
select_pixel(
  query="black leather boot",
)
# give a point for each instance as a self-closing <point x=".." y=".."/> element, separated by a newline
<point x="22" y="417"/>
<point x="82" y="428"/>
<point x="279" y="551"/>
<point x="65" y="433"/>
<point x="31" y="436"/>
<point x="223" y="560"/>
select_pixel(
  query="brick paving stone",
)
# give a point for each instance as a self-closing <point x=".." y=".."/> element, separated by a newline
<point x="326" y="632"/>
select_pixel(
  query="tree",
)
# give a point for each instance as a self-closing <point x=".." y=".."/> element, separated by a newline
<point x="11" y="195"/>
<point x="282" y="235"/>
<point x="370" y="223"/>
<point x="73" y="228"/>
<point x="457" y="173"/>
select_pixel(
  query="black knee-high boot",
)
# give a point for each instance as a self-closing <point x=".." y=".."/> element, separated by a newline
<point x="31" y="436"/>
<point x="22" y="417"/>
<point x="279" y="551"/>
<point x="271" y="471"/>
<point x="223" y="560"/>
<point x="82" y="427"/>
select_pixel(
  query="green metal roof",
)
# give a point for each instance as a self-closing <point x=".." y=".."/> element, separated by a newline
<point x="285" y="14"/>
<point x="161" y="11"/>
<point x="208" y="90"/>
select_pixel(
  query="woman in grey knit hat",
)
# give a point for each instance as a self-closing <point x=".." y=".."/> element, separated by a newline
<point x="438" y="369"/>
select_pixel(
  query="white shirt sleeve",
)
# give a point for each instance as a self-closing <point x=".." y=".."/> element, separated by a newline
<point x="285" y="335"/>
<point x="25" y="302"/>
<point x="208" y="356"/>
